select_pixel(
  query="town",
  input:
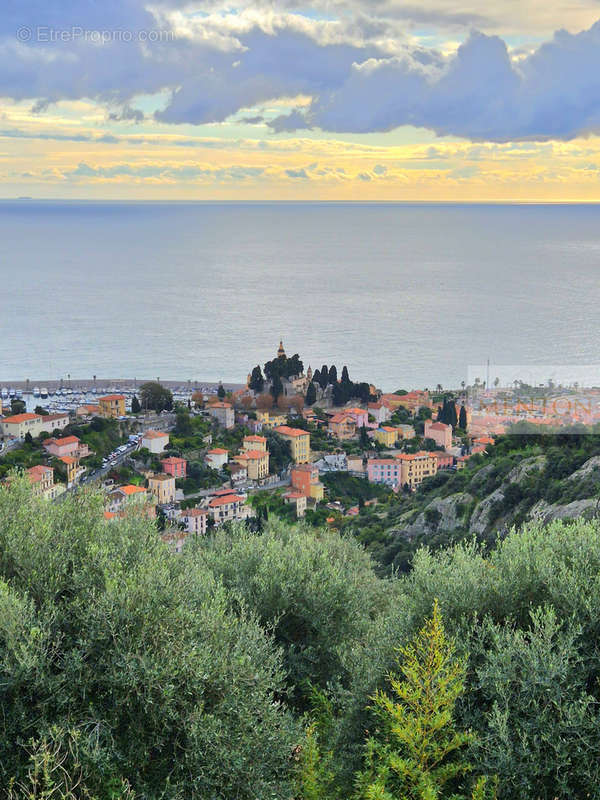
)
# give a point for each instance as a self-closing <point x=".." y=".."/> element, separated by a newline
<point x="294" y="442"/>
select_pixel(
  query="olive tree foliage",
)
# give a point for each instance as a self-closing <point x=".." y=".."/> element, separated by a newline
<point x="316" y="591"/>
<point x="136" y="656"/>
<point x="528" y="617"/>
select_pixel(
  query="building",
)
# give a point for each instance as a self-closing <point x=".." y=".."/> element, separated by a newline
<point x="380" y="412"/>
<point x="217" y="458"/>
<point x="356" y="464"/>
<point x="416" y="467"/>
<point x="19" y="425"/>
<point x="228" y="507"/>
<point x="42" y="482"/>
<point x="74" y="471"/>
<point x="270" y="419"/>
<point x="385" y="470"/>
<point x="298" y="499"/>
<point x="439" y="432"/>
<point x="162" y="487"/>
<point x="67" y="446"/>
<point x="305" y="479"/>
<point x="119" y="498"/>
<point x="177" y="467"/>
<point x="223" y="413"/>
<point x="299" y="443"/>
<point x="361" y="416"/>
<point x="175" y="539"/>
<point x="238" y="472"/>
<point x="195" y="520"/>
<point x="112" y="406"/>
<point x="444" y="460"/>
<point x="386" y="436"/>
<point x="255" y="443"/>
<point x="87" y="410"/>
<point x="155" y="441"/>
<point x="411" y="401"/>
<point x="342" y="426"/>
<point x="256" y="463"/>
<point x="406" y="431"/>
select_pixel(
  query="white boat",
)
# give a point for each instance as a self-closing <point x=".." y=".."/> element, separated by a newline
<point x="44" y="392"/>
<point x="36" y="391"/>
<point x="4" y="392"/>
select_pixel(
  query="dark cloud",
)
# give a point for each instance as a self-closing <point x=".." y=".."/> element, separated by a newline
<point x="127" y="114"/>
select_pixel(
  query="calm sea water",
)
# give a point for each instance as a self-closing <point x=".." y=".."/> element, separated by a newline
<point x="405" y="295"/>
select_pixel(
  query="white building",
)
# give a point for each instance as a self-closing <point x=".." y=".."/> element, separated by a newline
<point x="155" y="441"/>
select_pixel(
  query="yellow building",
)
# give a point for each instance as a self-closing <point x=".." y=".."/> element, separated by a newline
<point x="74" y="471"/>
<point x="299" y="443"/>
<point x="112" y="406"/>
<point x="387" y="436"/>
<point x="415" y="467"/>
<point x="255" y="443"/>
<point x="162" y="487"/>
<point x="256" y="463"/>
<point x="270" y="419"/>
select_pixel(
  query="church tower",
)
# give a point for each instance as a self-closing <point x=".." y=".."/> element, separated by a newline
<point x="309" y="374"/>
<point x="281" y="351"/>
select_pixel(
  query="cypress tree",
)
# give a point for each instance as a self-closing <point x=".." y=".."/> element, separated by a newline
<point x="311" y="395"/>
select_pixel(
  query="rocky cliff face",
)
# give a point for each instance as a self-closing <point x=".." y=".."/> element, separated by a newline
<point x="495" y="513"/>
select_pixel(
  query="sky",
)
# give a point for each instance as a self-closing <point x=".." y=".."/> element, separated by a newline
<point x="300" y="100"/>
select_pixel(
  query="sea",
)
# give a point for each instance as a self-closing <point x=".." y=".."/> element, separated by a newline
<point x="404" y="295"/>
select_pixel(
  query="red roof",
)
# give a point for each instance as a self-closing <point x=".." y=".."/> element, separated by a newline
<point x="155" y="435"/>
<point x="218" y="451"/>
<point x="38" y="472"/>
<point x="68" y="460"/>
<point x="226" y="500"/>
<point x="131" y="489"/>
<point x="194" y="512"/>
<point x="61" y="442"/>
<point x="18" y="418"/>
<point x="254" y="439"/>
<point x="112" y="397"/>
<point x="285" y="430"/>
<point x="173" y="460"/>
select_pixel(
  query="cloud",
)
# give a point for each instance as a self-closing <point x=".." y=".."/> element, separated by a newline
<point x="362" y="73"/>
<point x="296" y="173"/>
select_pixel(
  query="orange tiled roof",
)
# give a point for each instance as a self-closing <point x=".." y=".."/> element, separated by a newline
<point x="218" y="451"/>
<point x="38" y="472"/>
<point x="131" y="489"/>
<point x="112" y="397"/>
<point x="154" y="435"/>
<point x="172" y="460"/>
<point x="225" y="500"/>
<point x="254" y="454"/>
<point x="194" y="512"/>
<point x="18" y="418"/>
<point x="68" y="460"/>
<point x="254" y="439"/>
<point x="285" y="430"/>
<point x="64" y="440"/>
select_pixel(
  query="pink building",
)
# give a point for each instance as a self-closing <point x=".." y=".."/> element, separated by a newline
<point x="384" y="470"/>
<point x="67" y="446"/>
<point x="177" y="467"/>
<point x="444" y="460"/>
<point x="361" y="416"/>
<point x="439" y="432"/>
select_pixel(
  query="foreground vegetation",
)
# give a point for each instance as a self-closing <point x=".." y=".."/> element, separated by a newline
<point x="274" y="665"/>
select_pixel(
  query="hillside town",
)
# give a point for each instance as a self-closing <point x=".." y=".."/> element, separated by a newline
<point x="205" y="458"/>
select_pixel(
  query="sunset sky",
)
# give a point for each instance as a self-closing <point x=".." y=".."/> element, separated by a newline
<point x="317" y="100"/>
